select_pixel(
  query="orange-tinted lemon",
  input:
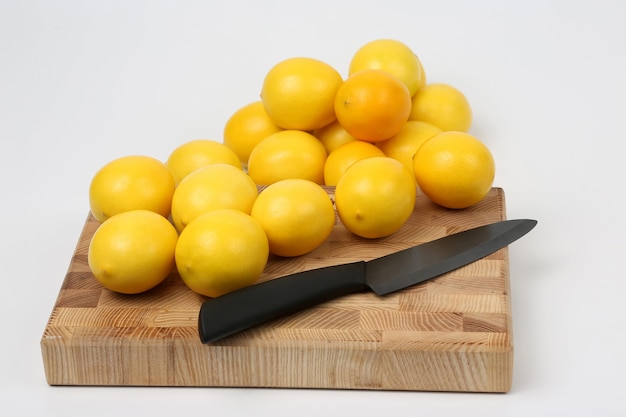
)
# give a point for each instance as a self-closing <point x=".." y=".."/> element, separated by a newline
<point x="373" y="105"/>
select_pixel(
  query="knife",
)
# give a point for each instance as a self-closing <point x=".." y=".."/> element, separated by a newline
<point x="250" y="306"/>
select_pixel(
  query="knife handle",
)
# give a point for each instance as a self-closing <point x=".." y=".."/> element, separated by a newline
<point x="250" y="306"/>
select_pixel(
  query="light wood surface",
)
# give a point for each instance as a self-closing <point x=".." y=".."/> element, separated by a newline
<point x="453" y="333"/>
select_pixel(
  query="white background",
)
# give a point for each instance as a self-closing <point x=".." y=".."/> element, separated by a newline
<point x="83" y="82"/>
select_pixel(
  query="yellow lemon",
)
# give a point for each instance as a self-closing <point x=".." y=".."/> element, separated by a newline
<point x="454" y="169"/>
<point x="333" y="136"/>
<point x="131" y="183"/>
<point x="216" y="186"/>
<point x="375" y="197"/>
<point x="405" y="143"/>
<point x="392" y="56"/>
<point x="197" y="154"/>
<point x="221" y="251"/>
<point x="248" y="126"/>
<point x="297" y="216"/>
<point x="132" y="252"/>
<point x="373" y="105"/>
<point x="442" y="105"/>
<point x="287" y="154"/>
<point x="343" y="157"/>
<point x="299" y="93"/>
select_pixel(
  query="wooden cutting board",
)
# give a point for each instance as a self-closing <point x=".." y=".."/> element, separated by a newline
<point x="453" y="333"/>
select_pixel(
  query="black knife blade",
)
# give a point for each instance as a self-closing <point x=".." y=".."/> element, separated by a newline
<point x="239" y="310"/>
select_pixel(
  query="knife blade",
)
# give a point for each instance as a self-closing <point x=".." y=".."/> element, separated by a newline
<point x="251" y="306"/>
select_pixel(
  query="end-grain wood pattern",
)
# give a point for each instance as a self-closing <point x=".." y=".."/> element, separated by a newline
<point x="452" y="333"/>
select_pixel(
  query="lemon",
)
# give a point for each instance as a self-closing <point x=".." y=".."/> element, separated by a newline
<point x="287" y="154"/>
<point x="197" y="154"/>
<point x="405" y="143"/>
<point x="343" y="157"/>
<point x="216" y="186"/>
<point x="454" y="169"/>
<point x="333" y="136"/>
<point x="297" y="216"/>
<point x="221" y="251"/>
<point x="392" y="56"/>
<point x="375" y="197"/>
<point x="299" y="93"/>
<point x="132" y="252"/>
<point x="442" y="105"/>
<point x="373" y="105"/>
<point x="131" y="183"/>
<point x="248" y="126"/>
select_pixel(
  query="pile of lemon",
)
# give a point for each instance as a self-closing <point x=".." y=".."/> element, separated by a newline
<point x="375" y="136"/>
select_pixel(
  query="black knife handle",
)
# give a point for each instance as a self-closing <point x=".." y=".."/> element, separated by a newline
<point x="239" y="310"/>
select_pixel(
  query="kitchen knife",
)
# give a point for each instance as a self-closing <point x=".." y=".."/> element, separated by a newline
<point x="250" y="306"/>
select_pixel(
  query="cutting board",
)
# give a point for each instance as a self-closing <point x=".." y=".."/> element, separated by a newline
<point x="453" y="333"/>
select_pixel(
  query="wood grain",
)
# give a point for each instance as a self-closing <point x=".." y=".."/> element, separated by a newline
<point x="452" y="333"/>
